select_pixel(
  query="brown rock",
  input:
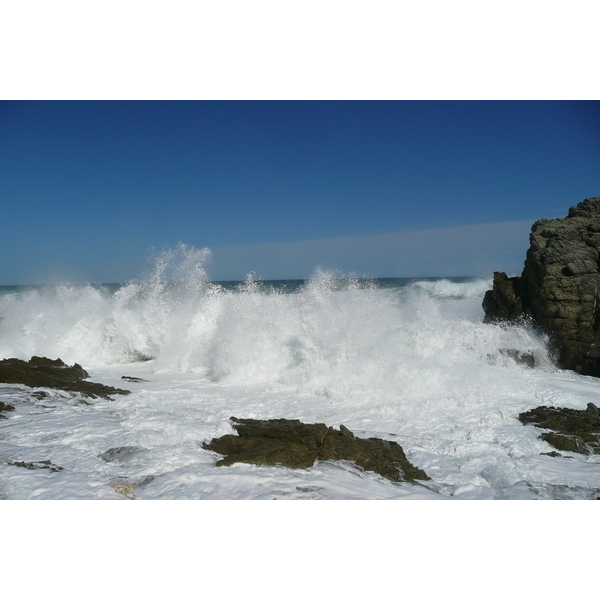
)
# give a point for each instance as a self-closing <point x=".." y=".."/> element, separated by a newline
<point x="559" y="286"/>
<point x="568" y="429"/>
<point x="45" y="372"/>
<point x="297" y="445"/>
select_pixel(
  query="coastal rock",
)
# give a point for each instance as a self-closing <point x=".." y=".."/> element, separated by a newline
<point x="290" y="443"/>
<point x="40" y="464"/>
<point x="5" y="408"/>
<point x="123" y="488"/>
<point x="559" y="287"/>
<point x="127" y="487"/>
<point x="45" y="372"/>
<point x="504" y="301"/>
<point x="520" y="357"/>
<point x="120" y="453"/>
<point x="571" y="430"/>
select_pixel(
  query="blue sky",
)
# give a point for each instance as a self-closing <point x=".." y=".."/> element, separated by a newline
<point x="376" y="188"/>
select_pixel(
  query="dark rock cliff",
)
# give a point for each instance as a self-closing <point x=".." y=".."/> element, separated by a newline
<point x="559" y="287"/>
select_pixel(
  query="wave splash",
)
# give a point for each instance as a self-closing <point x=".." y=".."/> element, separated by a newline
<point x="330" y="336"/>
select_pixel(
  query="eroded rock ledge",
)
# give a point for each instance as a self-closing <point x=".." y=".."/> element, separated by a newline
<point x="570" y="430"/>
<point x="290" y="443"/>
<point x="559" y="287"/>
<point x="44" y="372"/>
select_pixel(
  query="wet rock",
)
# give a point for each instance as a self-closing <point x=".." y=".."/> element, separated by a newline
<point x="120" y="453"/>
<point x="4" y="408"/>
<point x="140" y="357"/>
<point x="568" y="443"/>
<point x="142" y="481"/>
<point x="133" y="379"/>
<point x="40" y="464"/>
<point x="504" y="300"/>
<point x="290" y="443"/>
<point x="123" y="488"/>
<point x="570" y="430"/>
<point x="520" y="357"/>
<point x="44" y="372"/>
<point x="127" y="487"/>
<point x="559" y="287"/>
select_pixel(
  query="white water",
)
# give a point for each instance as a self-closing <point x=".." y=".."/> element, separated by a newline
<point x="413" y="364"/>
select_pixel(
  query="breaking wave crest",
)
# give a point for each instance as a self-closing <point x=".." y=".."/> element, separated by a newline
<point x="329" y="335"/>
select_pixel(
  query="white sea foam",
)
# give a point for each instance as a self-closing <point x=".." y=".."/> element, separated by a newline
<point x="413" y="363"/>
<point x="445" y="288"/>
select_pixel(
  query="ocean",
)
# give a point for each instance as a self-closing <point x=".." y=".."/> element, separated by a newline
<point x="407" y="360"/>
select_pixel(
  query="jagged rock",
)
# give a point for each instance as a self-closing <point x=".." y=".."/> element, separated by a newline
<point x="290" y="443"/>
<point x="44" y="372"/>
<point x="567" y="443"/>
<point x="5" y="408"/>
<point x="504" y="300"/>
<point x="559" y="287"/>
<point x="40" y="464"/>
<point x="571" y="430"/>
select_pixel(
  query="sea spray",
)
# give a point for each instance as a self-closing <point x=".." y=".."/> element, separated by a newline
<point x="347" y="340"/>
<point x="405" y="360"/>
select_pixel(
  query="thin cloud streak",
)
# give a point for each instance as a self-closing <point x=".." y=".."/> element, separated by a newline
<point x="476" y="250"/>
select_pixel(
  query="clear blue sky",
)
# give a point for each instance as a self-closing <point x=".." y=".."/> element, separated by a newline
<point x="380" y="188"/>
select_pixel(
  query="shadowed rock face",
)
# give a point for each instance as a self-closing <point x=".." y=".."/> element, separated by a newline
<point x="572" y="430"/>
<point x="290" y="443"/>
<point x="44" y="372"/>
<point x="559" y="287"/>
<point x="505" y="300"/>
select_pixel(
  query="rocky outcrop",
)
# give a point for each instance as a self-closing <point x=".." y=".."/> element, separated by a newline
<point x="290" y="443"/>
<point x="505" y="299"/>
<point x="40" y="464"/>
<point x="559" y="287"/>
<point x="44" y="372"/>
<point x="5" y="408"/>
<point x="570" y="430"/>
